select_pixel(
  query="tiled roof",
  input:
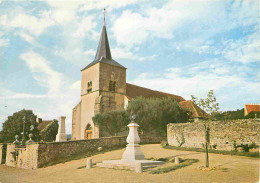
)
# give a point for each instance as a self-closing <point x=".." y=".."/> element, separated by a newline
<point x="252" y="107"/>
<point x="194" y="109"/>
<point x="133" y="91"/>
<point x="43" y="124"/>
<point x="103" y="60"/>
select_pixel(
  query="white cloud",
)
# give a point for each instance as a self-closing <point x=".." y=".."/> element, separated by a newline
<point x="42" y="72"/>
<point x="122" y="53"/>
<point x="62" y="95"/>
<point x="45" y="106"/>
<point x="227" y="79"/>
<point x="3" y="20"/>
<point x="63" y="12"/>
<point x="85" y="26"/>
<point x="31" y="23"/>
<point x="244" y="50"/>
<point x="90" y="52"/>
<point x="190" y="23"/>
<point x="27" y="37"/>
<point x="4" y="42"/>
<point x="108" y="4"/>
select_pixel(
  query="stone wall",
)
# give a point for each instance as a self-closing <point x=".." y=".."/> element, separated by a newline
<point x="22" y="157"/>
<point x="40" y="154"/>
<point x="223" y="134"/>
<point x="10" y="160"/>
<point x="50" y="152"/>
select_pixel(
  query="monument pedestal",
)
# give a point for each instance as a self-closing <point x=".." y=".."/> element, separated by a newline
<point x="132" y="156"/>
<point x="61" y="136"/>
<point x="133" y="152"/>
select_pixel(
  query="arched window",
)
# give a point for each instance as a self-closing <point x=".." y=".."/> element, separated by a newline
<point x="88" y="132"/>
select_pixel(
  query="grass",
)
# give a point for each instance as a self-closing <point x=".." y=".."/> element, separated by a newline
<point x="184" y="163"/>
<point x="247" y="154"/>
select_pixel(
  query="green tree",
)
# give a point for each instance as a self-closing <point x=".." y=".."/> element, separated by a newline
<point x="48" y="134"/>
<point x="23" y="120"/>
<point x="230" y="115"/>
<point x="253" y="114"/>
<point x="210" y="106"/>
<point x="153" y="114"/>
<point x="112" y="122"/>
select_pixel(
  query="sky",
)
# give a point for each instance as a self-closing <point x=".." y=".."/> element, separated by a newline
<point x="183" y="47"/>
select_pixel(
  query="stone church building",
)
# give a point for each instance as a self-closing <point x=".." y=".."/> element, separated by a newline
<point x="104" y="88"/>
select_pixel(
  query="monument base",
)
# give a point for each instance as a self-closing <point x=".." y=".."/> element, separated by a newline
<point x="133" y="152"/>
<point x="128" y="164"/>
<point x="61" y="137"/>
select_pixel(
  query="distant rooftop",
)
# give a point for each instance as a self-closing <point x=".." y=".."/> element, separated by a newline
<point x="133" y="91"/>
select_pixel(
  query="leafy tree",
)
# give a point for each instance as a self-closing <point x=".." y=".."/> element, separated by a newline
<point x="154" y="114"/>
<point x="112" y="122"/>
<point x="210" y="106"/>
<point x="233" y="115"/>
<point x="253" y="114"/>
<point x="48" y="134"/>
<point x="15" y="124"/>
<point x="230" y="115"/>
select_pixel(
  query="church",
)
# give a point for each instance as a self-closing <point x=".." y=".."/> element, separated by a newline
<point x="104" y="88"/>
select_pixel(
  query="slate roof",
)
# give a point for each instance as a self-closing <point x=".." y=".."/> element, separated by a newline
<point x="252" y="107"/>
<point x="196" y="112"/>
<point x="133" y="91"/>
<point x="103" y="51"/>
<point x="43" y="124"/>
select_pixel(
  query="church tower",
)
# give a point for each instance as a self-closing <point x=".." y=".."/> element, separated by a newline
<point x="103" y="88"/>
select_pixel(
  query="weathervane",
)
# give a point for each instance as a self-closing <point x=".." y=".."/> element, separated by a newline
<point x="104" y="23"/>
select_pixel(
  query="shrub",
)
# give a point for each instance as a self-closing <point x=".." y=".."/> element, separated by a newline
<point x="247" y="147"/>
<point x="164" y="143"/>
<point x="48" y="134"/>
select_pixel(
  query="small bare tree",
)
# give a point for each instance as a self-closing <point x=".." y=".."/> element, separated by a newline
<point x="210" y="106"/>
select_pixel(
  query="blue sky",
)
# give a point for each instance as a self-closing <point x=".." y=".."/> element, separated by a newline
<point x="184" y="47"/>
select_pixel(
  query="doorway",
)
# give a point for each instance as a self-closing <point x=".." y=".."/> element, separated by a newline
<point x="88" y="132"/>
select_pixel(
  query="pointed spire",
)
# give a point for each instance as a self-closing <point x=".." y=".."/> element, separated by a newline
<point x="104" y="21"/>
<point x="103" y="49"/>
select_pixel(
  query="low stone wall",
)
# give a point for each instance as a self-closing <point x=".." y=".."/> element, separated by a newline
<point x="223" y="134"/>
<point x="40" y="154"/>
<point x="50" y="152"/>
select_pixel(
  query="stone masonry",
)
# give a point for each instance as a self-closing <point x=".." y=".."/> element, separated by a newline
<point x="37" y="155"/>
<point x="223" y="134"/>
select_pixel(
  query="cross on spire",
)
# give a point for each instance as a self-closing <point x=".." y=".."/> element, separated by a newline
<point x="104" y="23"/>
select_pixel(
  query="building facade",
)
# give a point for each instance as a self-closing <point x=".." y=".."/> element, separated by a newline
<point x="104" y="88"/>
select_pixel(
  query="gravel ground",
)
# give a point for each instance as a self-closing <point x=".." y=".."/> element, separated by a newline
<point x="228" y="169"/>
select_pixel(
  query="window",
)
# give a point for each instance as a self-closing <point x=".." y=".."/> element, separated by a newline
<point x="89" y="89"/>
<point x="112" y="86"/>
<point x="90" y="84"/>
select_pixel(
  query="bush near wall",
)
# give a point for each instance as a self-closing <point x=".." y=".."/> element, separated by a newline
<point x="48" y="134"/>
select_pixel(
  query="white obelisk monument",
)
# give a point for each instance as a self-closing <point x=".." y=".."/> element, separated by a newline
<point x="61" y="136"/>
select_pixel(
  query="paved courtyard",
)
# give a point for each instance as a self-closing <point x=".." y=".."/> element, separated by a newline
<point x="228" y="169"/>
